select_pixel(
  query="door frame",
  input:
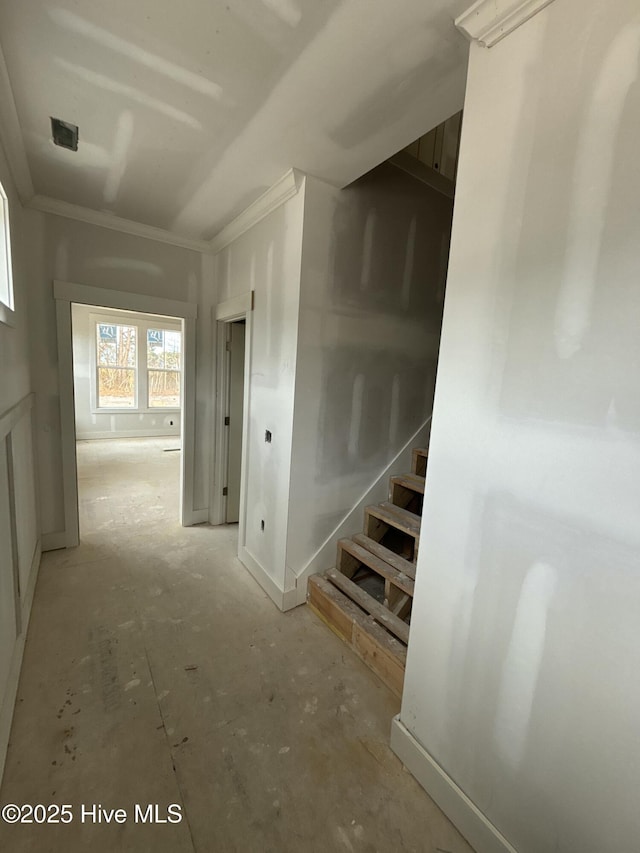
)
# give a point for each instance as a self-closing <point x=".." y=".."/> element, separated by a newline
<point x="65" y="293"/>
<point x="238" y="308"/>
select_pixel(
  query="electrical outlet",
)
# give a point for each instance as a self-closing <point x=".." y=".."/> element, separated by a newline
<point x="267" y="436"/>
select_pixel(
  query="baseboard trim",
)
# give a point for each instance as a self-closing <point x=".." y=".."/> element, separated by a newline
<point x="461" y="811"/>
<point x="266" y="581"/>
<point x="102" y="435"/>
<point x="198" y="516"/>
<point x="53" y="541"/>
<point x="11" y="694"/>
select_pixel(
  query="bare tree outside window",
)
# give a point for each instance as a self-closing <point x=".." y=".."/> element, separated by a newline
<point x="116" y="363"/>
<point x="164" y="354"/>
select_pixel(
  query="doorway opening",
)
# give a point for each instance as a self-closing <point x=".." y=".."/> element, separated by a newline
<point x="128" y="380"/>
<point x="233" y="367"/>
<point x="235" y="351"/>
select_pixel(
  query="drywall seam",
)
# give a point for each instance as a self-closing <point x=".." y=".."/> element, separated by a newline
<point x="284" y="189"/>
<point x="12" y="416"/>
<point x="324" y="557"/>
<point x="489" y="21"/>
<point x="8" y="704"/>
<point x="115" y="223"/>
<point x="463" y="813"/>
<point x="11" y="135"/>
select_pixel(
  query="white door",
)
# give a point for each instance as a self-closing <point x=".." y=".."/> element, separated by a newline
<point x="236" y="394"/>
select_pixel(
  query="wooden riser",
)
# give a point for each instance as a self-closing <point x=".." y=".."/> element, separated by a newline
<point x="386" y="523"/>
<point x="420" y="461"/>
<point x="382" y="652"/>
<point x="367" y="599"/>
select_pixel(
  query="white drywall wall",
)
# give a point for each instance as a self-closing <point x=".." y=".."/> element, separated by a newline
<point x="266" y="259"/>
<point x="19" y="536"/>
<point x="88" y="254"/>
<point x="522" y="674"/>
<point x="91" y="423"/>
<point x="373" y="270"/>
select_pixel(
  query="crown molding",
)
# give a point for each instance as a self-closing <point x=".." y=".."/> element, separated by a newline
<point x="11" y="136"/>
<point x="489" y="21"/>
<point x="284" y="189"/>
<point x="115" y="223"/>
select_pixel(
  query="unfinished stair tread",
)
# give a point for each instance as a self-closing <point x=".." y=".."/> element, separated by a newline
<point x="379" y="612"/>
<point x="398" y="578"/>
<point x="414" y="482"/>
<point x="375" y="646"/>
<point x="390" y="557"/>
<point x="395" y="516"/>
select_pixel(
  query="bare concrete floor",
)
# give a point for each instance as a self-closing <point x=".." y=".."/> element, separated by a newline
<point x="157" y="671"/>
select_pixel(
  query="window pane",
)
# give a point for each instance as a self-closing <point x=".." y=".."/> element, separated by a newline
<point x="172" y="349"/>
<point x="116" y="345"/>
<point x="164" y="389"/>
<point x="116" y="388"/>
<point x="164" y="348"/>
<point x="126" y="346"/>
<point x="155" y="348"/>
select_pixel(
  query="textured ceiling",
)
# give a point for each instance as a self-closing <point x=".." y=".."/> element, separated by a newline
<point x="189" y="111"/>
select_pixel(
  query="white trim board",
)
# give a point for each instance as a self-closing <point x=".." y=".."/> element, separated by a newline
<point x="461" y="811"/>
<point x="108" y="435"/>
<point x="115" y="223"/>
<point x="65" y="293"/>
<point x="10" y="417"/>
<point x="12" y="139"/>
<point x="10" y="695"/>
<point x="123" y="300"/>
<point x="234" y="308"/>
<point x="278" y="596"/>
<point x="54" y="541"/>
<point x="489" y="21"/>
<point x="284" y="189"/>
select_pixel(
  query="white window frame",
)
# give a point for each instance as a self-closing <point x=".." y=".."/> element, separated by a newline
<point x="142" y="325"/>
<point x="7" y="312"/>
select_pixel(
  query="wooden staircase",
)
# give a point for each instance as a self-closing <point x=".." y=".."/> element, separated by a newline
<point x="367" y="598"/>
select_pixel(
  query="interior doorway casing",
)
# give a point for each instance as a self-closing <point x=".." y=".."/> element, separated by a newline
<point x="66" y="293"/>
<point x="238" y="308"/>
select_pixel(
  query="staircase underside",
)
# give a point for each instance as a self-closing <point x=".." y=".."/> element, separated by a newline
<point x="366" y="600"/>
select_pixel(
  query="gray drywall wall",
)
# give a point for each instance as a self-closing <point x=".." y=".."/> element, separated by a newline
<point x="266" y="259"/>
<point x="374" y="263"/>
<point x="522" y="673"/>
<point x="19" y="535"/>
<point x="91" y="423"/>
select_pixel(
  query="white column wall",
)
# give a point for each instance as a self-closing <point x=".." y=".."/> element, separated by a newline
<point x="522" y="676"/>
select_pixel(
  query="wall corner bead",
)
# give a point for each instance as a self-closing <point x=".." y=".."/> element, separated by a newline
<point x="489" y="21"/>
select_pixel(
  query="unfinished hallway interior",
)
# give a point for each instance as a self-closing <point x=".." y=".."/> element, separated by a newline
<point x="158" y="671"/>
<point x="287" y="163"/>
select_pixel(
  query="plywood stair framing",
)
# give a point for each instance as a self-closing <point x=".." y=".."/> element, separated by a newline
<point x="367" y="598"/>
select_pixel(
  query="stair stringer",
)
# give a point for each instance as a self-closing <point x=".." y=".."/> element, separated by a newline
<point x="378" y="491"/>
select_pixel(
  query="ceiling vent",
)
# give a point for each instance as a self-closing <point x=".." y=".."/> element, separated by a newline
<point x="64" y="134"/>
